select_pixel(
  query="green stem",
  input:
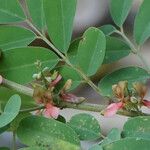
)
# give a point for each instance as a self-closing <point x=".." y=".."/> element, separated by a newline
<point x="89" y="107"/>
<point x="87" y="80"/>
<point x="134" y="50"/>
<point x="17" y="87"/>
<point x="14" y="146"/>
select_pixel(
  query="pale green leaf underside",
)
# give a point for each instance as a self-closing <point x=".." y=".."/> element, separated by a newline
<point x="14" y="37"/>
<point x="11" y="11"/>
<point x="18" y="64"/>
<point x="11" y="110"/>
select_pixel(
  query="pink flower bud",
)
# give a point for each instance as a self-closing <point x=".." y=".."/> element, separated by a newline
<point x="51" y="111"/>
<point x="112" y="109"/>
<point x="146" y="103"/>
<point x="54" y="82"/>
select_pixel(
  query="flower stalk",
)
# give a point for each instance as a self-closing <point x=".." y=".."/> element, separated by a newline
<point x="81" y="106"/>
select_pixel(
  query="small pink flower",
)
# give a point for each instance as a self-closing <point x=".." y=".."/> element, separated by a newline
<point x="68" y="97"/>
<point x="146" y="103"/>
<point x="51" y="111"/>
<point x="112" y="109"/>
<point x="54" y="82"/>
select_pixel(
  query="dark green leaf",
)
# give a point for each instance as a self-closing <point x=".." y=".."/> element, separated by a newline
<point x="128" y="144"/>
<point x="113" y="135"/>
<point x="59" y="15"/>
<point x="91" y="51"/>
<point x="119" y="10"/>
<point x="130" y="74"/>
<point x="37" y="13"/>
<point x="10" y="11"/>
<point x="15" y="37"/>
<point x="18" y="64"/>
<point x="47" y="133"/>
<point x="108" y="29"/>
<point x="142" y="23"/>
<point x="15" y="123"/>
<point x="3" y="129"/>
<point x="11" y="110"/>
<point x="86" y="126"/>
<point x="115" y="50"/>
<point x="137" y="127"/>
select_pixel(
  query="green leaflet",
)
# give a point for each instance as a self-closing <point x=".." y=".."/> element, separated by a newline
<point x="115" y="50"/>
<point x="18" y="64"/>
<point x="142" y="23"/>
<point x="59" y="15"/>
<point x="137" y="127"/>
<point x="11" y="110"/>
<point x="128" y="144"/>
<point x="86" y="126"/>
<point x="91" y="51"/>
<point x="119" y="10"/>
<point x="37" y="13"/>
<point x="15" y="37"/>
<point x="47" y="133"/>
<point x="108" y="29"/>
<point x="10" y="11"/>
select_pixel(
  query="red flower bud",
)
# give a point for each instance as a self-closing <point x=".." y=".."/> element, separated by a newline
<point x="146" y="103"/>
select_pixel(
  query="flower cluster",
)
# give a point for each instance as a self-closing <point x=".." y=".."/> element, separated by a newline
<point x="46" y="92"/>
<point x="131" y="99"/>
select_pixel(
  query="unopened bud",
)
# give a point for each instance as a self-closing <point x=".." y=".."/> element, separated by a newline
<point x="67" y="85"/>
